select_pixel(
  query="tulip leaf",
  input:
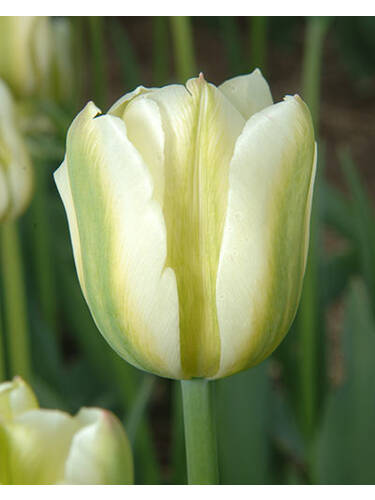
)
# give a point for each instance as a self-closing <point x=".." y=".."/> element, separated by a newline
<point x="160" y="63"/>
<point x="127" y="60"/>
<point x="242" y="408"/>
<point x="337" y="211"/>
<point x="363" y="221"/>
<point x="345" y="452"/>
<point x="232" y="43"/>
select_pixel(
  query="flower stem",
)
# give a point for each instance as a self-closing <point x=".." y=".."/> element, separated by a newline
<point x="2" y="357"/>
<point x="160" y="65"/>
<point x="98" y="59"/>
<point x="15" y="301"/>
<point x="200" y="438"/>
<point x="316" y="31"/>
<point x="183" y="47"/>
<point x="258" y="42"/>
<point x="309" y="310"/>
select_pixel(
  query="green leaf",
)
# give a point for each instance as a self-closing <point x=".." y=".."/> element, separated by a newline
<point x="126" y="56"/>
<point x="230" y="34"/>
<point x="337" y="211"/>
<point x="363" y="221"/>
<point x="242" y="409"/>
<point x="345" y="452"/>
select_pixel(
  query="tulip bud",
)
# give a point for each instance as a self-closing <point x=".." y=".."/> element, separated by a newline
<point x="36" y="56"/>
<point x="25" y="53"/>
<point x="39" y="446"/>
<point x="189" y="212"/>
<point x="15" y="164"/>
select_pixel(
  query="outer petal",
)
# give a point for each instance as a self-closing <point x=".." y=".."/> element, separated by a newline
<point x="63" y="183"/>
<point x="16" y="397"/>
<point x="265" y="240"/>
<point x="248" y="93"/>
<point x="37" y="445"/>
<point x="122" y="238"/>
<point x="100" y="452"/>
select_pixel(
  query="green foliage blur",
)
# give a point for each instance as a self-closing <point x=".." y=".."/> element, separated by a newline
<point x="307" y="414"/>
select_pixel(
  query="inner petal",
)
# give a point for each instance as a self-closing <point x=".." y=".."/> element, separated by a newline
<point x="200" y="128"/>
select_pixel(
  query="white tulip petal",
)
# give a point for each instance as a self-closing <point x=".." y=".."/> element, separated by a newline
<point x="37" y="444"/>
<point x="15" y="39"/>
<point x="63" y="185"/>
<point x="100" y="452"/>
<point x="265" y="239"/>
<point x="248" y="93"/>
<point x="118" y="108"/>
<point x="16" y="397"/>
<point x="145" y="131"/>
<point x="130" y="292"/>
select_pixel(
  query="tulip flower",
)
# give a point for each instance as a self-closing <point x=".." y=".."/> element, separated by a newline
<point x="36" y="56"/>
<point x="40" y="446"/>
<point x="189" y="210"/>
<point x="25" y="53"/>
<point x="15" y="163"/>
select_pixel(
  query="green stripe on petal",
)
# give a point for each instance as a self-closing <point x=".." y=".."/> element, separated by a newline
<point x="200" y="127"/>
<point x="122" y="237"/>
<point x="265" y="239"/>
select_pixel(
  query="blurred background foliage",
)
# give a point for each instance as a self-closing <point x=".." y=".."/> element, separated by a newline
<point x="306" y="415"/>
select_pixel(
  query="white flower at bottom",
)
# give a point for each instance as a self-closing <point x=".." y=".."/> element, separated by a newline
<point x="40" y="446"/>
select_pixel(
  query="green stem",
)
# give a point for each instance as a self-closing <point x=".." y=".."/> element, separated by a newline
<point x="200" y="437"/>
<point x="98" y="68"/>
<point x="316" y="30"/>
<point x="309" y="307"/>
<point x="78" y="58"/>
<point x="258" y="42"/>
<point x="2" y="356"/>
<point x="232" y="43"/>
<point x="183" y="47"/>
<point x="15" y="301"/>
<point x="160" y="53"/>
<point x="126" y="57"/>
<point x="178" y="454"/>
